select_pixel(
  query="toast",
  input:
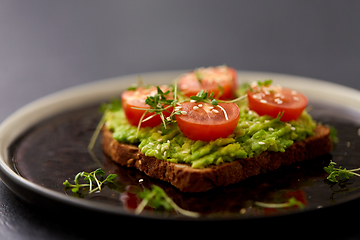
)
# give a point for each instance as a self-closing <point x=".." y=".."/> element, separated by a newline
<point x="188" y="179"/>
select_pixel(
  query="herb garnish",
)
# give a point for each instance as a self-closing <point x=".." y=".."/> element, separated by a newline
<point x="259" y="84"/>
<point x="157" y="198"/>
<point x="264" y="83"/>
<point x="290" y="203"/>
<point x="113" y="106"/>
<point x="198" y="76"/>
<point x="203" y="96"/>
<point x="333" y="134"/>
<point x="94" y="183"/>
<point x="336" y="174"/>
<point x="159" y="103"/>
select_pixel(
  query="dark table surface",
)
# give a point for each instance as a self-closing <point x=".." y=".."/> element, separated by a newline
<point x="46" y="46"/>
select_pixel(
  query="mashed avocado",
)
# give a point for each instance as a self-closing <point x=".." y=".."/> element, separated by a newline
<point x="252" y="136"/>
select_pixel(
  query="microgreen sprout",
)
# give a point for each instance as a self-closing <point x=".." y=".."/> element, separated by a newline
<point x="156" y="198"/>
<point x="292" y="202"/>
<point x="339" y="174"/>
<point x="113" y="106"/>
<point x="258" y="85"/>
<point x="94" y="182"/>
<point x="159" y="103"/>
<point x="279" y="116"/>
<point x="204" y="96"/>
<point x="264" y="83"/>
<point x="333" y="134"/>
<point x="198" y="75"/>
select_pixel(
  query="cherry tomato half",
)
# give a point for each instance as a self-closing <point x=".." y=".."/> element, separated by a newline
<point x="211" y="79"/>
<point x="202" y="121"/>
<point x="272" y="100"/>
<point x="131" y="99"/>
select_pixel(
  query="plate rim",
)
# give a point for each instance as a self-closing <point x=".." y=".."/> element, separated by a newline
<point x="105" y="89"/>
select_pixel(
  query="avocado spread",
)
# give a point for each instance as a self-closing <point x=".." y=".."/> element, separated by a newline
<point x="253" y="135"/>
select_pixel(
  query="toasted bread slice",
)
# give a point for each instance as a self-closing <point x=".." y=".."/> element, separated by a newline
<point x="188" y="179"/>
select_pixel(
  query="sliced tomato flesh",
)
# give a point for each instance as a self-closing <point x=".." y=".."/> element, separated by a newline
<point x="220" y="80"/>
<point x="133" y="99"/>
<point x="203" y="121"/>
<point x="275" y="100"/>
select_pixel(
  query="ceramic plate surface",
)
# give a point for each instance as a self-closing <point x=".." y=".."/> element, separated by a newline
<point x="44" y="143"/>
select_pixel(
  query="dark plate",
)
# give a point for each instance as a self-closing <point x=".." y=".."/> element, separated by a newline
<point x="58" y="151"/>
<point x="54" y="148"/>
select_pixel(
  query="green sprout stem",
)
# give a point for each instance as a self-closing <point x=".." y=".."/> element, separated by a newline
<point x="93" y="185"/>
<point x="93" y="139"/>
<point x="158" y="104"/>
<point x="144" y="203"/>
<point x="157" y="196"/>
<point x="242" y="97"/>
<point x="290" y="203"/>
<point x="336" y="174"/>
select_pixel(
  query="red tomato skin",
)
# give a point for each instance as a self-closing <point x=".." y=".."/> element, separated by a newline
<point x="190" y="85"/>
<point x="201" y="125"/>
<point x="292" y="108"/>
<point x="300" y="196"/>
<point x="130" y="200"/>
<point x="131" y="99"/>
<point x="129" y="197"/>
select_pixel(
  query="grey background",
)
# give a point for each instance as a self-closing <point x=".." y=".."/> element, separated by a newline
<point x="46" y="46"/>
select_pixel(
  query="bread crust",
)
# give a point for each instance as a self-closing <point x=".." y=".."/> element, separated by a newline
<point x="188" y="179"/>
